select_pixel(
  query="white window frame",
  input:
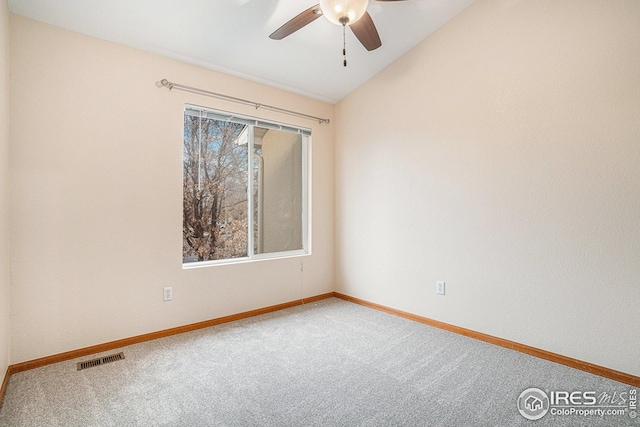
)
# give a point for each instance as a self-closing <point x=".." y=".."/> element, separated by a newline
<point x="253" y="122"/>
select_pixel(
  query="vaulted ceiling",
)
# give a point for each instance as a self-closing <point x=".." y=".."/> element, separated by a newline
<point x="232" y="36"/>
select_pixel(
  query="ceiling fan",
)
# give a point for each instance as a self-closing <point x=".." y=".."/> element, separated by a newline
<point x="351" y="13"/>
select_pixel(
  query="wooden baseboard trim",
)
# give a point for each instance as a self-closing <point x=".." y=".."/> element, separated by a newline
<point x="5" y="381"/>
<point x="522" y="348"/>
<point x="99" y="348"/>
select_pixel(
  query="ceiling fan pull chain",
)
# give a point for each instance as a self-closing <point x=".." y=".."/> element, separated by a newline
<point x="344" y="45"/>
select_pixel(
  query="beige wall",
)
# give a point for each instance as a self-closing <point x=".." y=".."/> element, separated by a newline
<point x="502" y="155"/>
<point x="96" y="169"/>
<point x="4" y="211"/>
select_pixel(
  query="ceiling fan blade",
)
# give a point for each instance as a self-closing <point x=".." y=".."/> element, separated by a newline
<point x="298" y="22"/>
<point x="365" y="30"/>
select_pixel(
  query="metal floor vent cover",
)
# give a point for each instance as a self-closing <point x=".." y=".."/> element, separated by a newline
<point x="100" y="361"/>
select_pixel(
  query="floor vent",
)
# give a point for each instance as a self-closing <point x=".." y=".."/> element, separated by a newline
<point x="100" y="361"/>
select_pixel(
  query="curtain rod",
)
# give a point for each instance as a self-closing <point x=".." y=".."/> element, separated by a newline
<point x="170" y="85"/>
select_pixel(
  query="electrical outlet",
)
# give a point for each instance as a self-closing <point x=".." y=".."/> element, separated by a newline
<point x="440" y="287"/>
<point x="167" y="294"/>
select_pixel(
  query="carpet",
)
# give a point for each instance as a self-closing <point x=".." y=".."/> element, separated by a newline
<point x="329" y="363"/>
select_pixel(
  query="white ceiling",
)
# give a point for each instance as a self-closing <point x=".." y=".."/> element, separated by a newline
<point x="232" y="36"/>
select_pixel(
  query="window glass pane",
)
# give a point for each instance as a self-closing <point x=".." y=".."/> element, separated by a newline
<point x="277" y="191"/>
<point x="244" y="187"/>
<point x="215" y="180"/>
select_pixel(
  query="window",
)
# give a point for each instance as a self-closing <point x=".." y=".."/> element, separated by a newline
<point x="244" y="188"/>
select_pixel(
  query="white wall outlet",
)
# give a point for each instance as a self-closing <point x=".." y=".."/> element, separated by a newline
<point x="440" y="287"/>
<point x="167" y="295"/>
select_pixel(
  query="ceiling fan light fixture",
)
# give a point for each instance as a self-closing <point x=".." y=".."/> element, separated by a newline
<point x="337" y="10"/>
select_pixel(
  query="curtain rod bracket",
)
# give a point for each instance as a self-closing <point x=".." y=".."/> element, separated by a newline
<point x="170" y="85"/>
<point x="165" y="83"/>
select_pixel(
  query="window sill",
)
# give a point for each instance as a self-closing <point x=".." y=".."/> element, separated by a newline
<point x="263" y="257"/>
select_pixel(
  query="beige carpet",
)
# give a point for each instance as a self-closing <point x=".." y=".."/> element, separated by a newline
<point x="330" y="363"/>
